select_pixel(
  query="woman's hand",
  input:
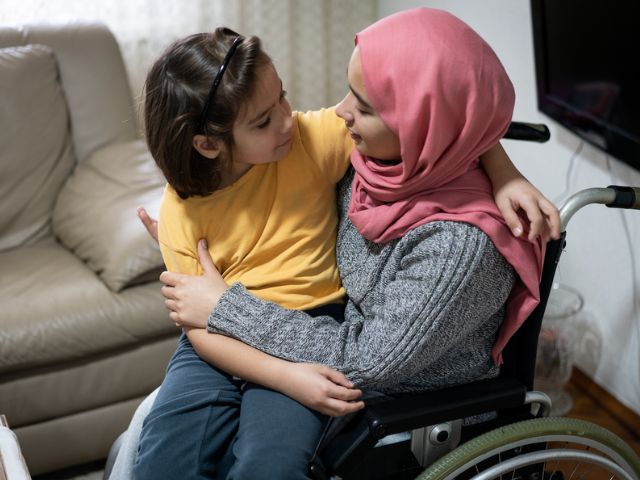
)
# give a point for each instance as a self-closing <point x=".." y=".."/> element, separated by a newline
<point x="151" y="224"/>
<point x="321" y="388"/>
<point x="190" y="299"/>
<point x="543" y="215"/>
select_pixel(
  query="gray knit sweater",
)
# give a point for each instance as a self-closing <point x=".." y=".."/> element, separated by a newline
<point x="423" y="310"/>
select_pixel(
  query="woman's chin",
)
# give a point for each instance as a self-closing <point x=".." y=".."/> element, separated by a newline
<point x="361" y="148"/>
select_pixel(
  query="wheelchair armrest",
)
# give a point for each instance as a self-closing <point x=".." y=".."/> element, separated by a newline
<point x="414" y="411"/>
<point x="408" y="412"/>
<point x="532" y="132"/>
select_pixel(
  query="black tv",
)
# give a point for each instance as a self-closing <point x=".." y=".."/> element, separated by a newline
<point x="587" y="56"/>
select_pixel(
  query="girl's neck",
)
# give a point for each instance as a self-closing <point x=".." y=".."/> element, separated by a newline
<point x="237" y="170"/>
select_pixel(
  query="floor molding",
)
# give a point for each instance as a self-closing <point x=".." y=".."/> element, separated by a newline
<point x="611" y="405"/>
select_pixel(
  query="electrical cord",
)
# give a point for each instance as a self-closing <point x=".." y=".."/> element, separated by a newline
<point x="627" y="234"/>
<point x="568" y="176"/>
<point x="568" y="187"/>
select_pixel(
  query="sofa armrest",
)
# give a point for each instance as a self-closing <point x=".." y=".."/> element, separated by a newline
<point x="12" y="464"/>
<point x="95" y="214"/>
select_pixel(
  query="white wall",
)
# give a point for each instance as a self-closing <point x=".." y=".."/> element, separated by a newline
<point x="598" y="261"/>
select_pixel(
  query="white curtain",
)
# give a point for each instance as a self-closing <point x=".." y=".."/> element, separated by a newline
<point x="309" y="40"/>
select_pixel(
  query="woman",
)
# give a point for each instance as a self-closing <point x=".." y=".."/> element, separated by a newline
<point x="426" y="259"/>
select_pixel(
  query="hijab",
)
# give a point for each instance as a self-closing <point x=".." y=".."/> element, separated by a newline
<point x="442" y="90"/>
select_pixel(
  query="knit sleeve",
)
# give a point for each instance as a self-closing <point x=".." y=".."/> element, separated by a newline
<point x="449" y="280"/>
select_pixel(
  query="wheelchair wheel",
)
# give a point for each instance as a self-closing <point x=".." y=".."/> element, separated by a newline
<point x="540" y="449"/>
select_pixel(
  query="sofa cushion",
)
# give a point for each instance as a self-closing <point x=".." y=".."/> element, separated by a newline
<point x="92" y="381"/>
<point x="35" y="143"/>
<point x="95" y="215"/>
<point x="55" y="310"/>
<point x="95" y="82"/>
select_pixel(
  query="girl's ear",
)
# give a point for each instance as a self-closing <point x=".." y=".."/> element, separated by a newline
<point x="207" y="147"/>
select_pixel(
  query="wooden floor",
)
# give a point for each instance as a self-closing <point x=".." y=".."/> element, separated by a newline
<point x="593" y="403"/>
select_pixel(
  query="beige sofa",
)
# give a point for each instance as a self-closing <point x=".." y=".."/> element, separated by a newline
<point x="84" y="335"/>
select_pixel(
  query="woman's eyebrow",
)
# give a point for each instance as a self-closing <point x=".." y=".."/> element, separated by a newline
<point x="360" y="99"/>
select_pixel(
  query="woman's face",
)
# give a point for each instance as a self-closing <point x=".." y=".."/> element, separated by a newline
<point x="370" y="134"/>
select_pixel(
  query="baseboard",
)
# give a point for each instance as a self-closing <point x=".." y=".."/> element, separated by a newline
<point x="604" y="399"/>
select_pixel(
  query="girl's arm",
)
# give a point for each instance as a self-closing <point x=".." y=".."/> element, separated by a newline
<point x="513" y="192"/>
<point x="316" y="386"/>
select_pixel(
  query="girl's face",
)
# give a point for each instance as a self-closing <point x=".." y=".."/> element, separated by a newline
<point x="370" y="134"/>
<point x="264" y="129"/>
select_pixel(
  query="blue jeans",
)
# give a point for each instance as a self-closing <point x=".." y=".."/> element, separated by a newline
<point x="206" y="425"/>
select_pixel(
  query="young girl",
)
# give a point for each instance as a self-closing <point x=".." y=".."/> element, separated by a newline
<point x="259" y="185"/>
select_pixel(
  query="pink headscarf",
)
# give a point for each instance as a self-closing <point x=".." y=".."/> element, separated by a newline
<point x="442" y="90"/>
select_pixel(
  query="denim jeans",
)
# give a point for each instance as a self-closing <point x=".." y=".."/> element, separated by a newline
<point x="206" y="425"/>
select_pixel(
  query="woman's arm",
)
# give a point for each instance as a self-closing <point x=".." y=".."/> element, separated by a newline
<point x="451" y="280"/>
<point x="513" y="192"/>
<point x="315" y="386"/>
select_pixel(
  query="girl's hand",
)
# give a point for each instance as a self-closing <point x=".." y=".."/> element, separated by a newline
<point x="151" y="224"/>
<point x="513" y="192"/>
<point x="190" y="298"/>
<point x="321" y="388"/>
<point x="543" y="215"/>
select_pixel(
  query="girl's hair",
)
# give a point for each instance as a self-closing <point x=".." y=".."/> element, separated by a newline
<point x="176" y="90"/>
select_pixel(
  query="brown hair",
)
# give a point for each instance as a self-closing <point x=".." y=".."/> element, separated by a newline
<point x="176" y="90"/>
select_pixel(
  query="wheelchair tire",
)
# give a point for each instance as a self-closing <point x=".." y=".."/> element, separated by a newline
<point x="539" y="449"/>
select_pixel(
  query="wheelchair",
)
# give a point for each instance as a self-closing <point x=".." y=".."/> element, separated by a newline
<point x="490" y="429"/>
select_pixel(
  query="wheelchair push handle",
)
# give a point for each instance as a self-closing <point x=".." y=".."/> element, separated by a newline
<point x="532" y="132"/>
<point x="613" y="196"/>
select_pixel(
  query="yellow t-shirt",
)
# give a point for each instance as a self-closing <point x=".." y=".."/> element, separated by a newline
<point x="274" y="229"/>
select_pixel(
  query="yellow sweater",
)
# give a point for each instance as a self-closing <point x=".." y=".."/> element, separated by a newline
<point x="274" y="230"/>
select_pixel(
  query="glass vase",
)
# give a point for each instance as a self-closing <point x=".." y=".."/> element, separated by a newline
<point x="554" y="361"/>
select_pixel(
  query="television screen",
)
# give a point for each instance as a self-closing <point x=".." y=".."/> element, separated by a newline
<point x="587" y="56"/>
